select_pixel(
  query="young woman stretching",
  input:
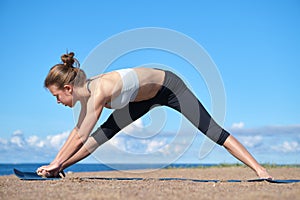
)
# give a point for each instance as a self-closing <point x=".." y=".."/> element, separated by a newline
<point x="132" y="93"/>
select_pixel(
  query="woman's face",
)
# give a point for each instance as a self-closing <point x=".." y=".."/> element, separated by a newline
<point x="63" y="96"/>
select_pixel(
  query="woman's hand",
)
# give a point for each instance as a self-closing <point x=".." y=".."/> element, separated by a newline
<point x="51" y="170"/>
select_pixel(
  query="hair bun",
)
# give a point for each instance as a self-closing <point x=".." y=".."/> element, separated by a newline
<point x="68" y="59"/>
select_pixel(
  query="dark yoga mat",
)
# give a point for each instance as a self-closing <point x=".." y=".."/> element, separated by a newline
<point x="33" y="176"/>
<point x="194" y="180"/>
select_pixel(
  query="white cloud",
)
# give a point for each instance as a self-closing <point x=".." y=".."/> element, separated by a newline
<point x="35" y="141"/>
<point x="17" y="132"/>
<point x="127" y="143"/>
<point x="18" y="139"/>
<point x="287" y="147"/>
<point x="251" y="141"/>
<point x="154" y="145"/>
<point x="32" y="140"/>
<point x="31" y="148"/>
<point x="3" y="141"/>
<point x="173" y="149"/>
<point x="51" y="141"/>
<point x="239" y="128"/>
<point x="238" y="125"/>
<point x="118" y="142"/>
<point x="58" y="140"/>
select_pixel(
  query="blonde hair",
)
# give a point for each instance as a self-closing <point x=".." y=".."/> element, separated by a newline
<point x="63" y="74"/>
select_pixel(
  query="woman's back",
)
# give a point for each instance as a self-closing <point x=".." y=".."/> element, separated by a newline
<point x="117" y="84"/>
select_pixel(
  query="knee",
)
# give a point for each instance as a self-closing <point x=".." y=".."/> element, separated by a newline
<point x="216" y="133"/>
<point x="102" y="135"/>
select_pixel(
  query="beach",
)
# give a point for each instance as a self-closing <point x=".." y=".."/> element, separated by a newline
<point x="85" y="186"/>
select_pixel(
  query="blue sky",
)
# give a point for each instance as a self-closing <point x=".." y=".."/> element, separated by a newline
<point x="254" y="44"/>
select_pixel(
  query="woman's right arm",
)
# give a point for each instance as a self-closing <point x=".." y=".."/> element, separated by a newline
<point x="89" y="147"/>
<point x="67" y="143"/>
<point x="73" y="133"/>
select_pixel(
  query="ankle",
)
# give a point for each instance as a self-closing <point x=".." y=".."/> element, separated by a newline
<point x="260" y="169"/>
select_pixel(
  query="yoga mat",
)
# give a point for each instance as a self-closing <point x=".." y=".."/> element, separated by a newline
<point x="34" y="176"/>
<point x="193" y="180"/>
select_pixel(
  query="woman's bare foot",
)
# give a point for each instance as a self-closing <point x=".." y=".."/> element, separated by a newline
<point x="262" y="173"/>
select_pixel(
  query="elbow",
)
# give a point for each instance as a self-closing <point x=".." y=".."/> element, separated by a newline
<point x="80" y="141"/>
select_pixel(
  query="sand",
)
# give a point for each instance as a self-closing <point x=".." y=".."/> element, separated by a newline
<point x="74" y="187"/>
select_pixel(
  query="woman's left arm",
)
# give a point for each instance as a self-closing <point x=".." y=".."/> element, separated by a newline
<point x="93" y="112"/>
<point x="82" y="135"/>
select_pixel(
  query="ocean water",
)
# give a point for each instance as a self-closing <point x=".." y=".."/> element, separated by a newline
<point x="7" y="169"/>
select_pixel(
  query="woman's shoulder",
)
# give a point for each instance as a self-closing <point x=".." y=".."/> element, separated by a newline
<point x="105" y="84"/>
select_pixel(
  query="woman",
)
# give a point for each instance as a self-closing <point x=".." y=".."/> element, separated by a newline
<point x="132" y="93"/>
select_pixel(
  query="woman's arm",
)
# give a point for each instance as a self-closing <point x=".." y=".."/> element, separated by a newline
<point x="83" y="152"/>
<point x="78" y="136"/>
<point x="88" y="148"/>
<point x="73" y="133"/>
<point x="67" y="143"/>
<point x="81" y="137"/>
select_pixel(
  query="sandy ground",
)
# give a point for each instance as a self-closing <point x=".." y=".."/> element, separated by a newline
<point x="74" y="187"/>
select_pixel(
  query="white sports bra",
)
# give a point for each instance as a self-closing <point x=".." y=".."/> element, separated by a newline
<point x="129" y="90"/>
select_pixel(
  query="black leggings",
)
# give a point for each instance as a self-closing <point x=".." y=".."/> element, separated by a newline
<point x="173" y="93"/>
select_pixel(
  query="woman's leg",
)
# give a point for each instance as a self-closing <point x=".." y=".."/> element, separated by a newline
<point x="183" y="100"/>
<point x="234" y="147"/>
<point x="211" y="129"/>
<point x="180" y="98"/>
<point x="121" y="118"/>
